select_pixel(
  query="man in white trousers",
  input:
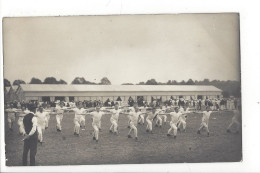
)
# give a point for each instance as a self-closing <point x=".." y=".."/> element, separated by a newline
<point x="182" y="118"/>
<point x="79" y="113"/>
<point x="141" y="119"/>
<point x="96" y="119"/>
<point x="114" y="119"/>
<point x="41" y="116"/>
<point x="133" y="117"/>
<point x="205" y="120"/>
<point x="150" y="118"/>
<point x="48" y="110"/>
<point x="59" y="110"/>
<point x="175" y="115"/>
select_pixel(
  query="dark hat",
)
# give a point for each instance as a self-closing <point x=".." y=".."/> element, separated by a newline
<point x="32" y="107"/>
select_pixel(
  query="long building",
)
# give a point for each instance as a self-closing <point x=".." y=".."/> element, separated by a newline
<point x="52" y="92"/>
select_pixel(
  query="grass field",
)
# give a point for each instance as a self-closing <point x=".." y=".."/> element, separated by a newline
<point x="66" y="149"/>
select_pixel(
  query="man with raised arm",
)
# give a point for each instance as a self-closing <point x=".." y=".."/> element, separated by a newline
<point x="133" y="117"/>
<point x="96" y="119"/>
<point x="114" y="119"/>
<point x="59" y="110"/>
<point x="175" y="115"/>
<point x="183" y="117"/>
<point x="150" y="118"/>
<point x="79" y="113"/>
<point x="205" y="120"/>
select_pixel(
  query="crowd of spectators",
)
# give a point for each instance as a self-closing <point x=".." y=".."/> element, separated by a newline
<point x="197" y="104"/>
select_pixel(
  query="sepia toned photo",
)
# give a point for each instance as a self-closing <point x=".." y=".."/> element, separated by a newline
<point x="122" y="89"/>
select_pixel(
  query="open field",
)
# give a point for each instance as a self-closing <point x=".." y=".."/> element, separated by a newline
<point x="66" y="149"/>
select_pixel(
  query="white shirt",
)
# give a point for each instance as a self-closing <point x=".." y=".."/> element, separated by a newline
<point x="60" y="110"/>
<point x="115" y="114"/>
<point x="34" y="122"/>
<point x="175" y="116"/>
<point x="78" y="112"/>
<point x="96" y="116"/>
<point x="41" y="118"/>
<point x="181" y="110"/>
<point x="151" y="115"/>
<point x="133" y="116"/>
<point x="184" y="113"/>
<point x="206" y="115"/>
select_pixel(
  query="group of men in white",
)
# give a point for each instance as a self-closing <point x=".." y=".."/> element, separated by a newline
<point x="136" y="115"/>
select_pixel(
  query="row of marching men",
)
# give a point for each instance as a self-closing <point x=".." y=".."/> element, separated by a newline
<point x="136" y="115"/>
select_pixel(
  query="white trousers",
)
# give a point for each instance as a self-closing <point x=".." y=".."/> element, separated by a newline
<point x="164" y="118"/>
<point x="96" y="130"/>
<point x="77" y="126"/>
<point x="133" y="127"/>
<point x="141" y="120"/>
<point x="204" y="124"/>
<point x="10" y="120"/>
<point x="82" y="121"/>
<point x="40" y="129"/>
<point x="47" y="118"/>
<point x="173" y="127"/>
<point x="159" y="121"/>
<point x="114" y="125"/>
<point x="149" y="124"/>
<point x="183" y="123"/>
<point x="59" y="118"/>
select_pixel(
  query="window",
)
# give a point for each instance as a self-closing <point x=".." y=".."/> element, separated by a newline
<point x="71" y="99"/>
<point x="199" y="97"/>
<point x="60" y="98"/>
<point x="46" y="99"/>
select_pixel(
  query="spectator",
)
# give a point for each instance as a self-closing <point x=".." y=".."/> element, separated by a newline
<point x="31" y="136"/>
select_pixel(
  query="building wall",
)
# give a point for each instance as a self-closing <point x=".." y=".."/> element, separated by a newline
<point x="80" y="96"/>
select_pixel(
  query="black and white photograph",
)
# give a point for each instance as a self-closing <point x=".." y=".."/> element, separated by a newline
<point x="122" y="89"/>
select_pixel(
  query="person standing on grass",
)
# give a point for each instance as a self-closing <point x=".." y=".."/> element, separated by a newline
<point x="133" y="117"/>
<point x="141" y="119"/>
<point x="182" y="118"/>
<point x="31" y="136"/>
<point x="236" y="119"/>
<point x="48" y="110"/>
<point x="175" y="115"/>
<point x="10" y="115"/>
<point x="161" y="117"/>
<point x="41" y="117"/>
<point x="150" y="118"/>
<point x="205" y="120"/>
<point x="59" y="110"/>
<point x="79" y="112"/>
<point x="114" y="119"/>
<point x="96" y="121"/>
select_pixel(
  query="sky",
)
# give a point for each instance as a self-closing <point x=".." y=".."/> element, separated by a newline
<point x="125" y="49"/>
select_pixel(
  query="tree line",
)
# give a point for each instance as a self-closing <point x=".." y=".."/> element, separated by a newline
<point x="229" y="88"/>
<point x="53" y="80"/>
